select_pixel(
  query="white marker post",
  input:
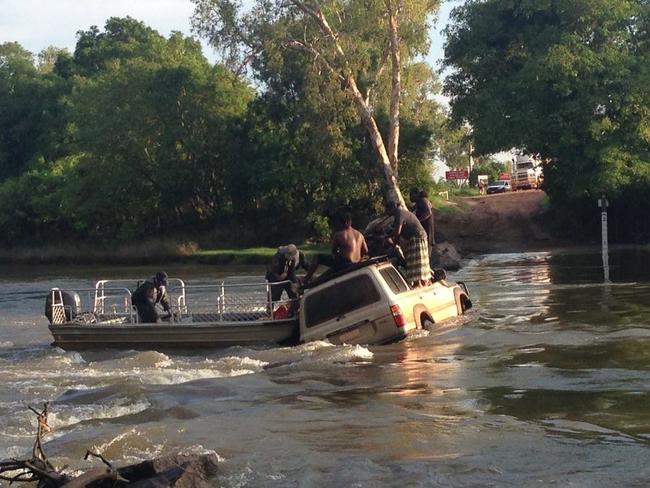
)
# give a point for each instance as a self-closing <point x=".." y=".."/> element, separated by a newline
<point x="603" y="204"/>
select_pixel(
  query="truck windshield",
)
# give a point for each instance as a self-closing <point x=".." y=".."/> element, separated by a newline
<point x="340" y="299"/>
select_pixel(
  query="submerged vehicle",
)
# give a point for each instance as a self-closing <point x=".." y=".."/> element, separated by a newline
<point x="368" y="303"/>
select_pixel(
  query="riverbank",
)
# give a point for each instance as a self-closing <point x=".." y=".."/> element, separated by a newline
<point x="147" y="253"/>
<point x="503" y="222"/>
<point x="510" y="222"/>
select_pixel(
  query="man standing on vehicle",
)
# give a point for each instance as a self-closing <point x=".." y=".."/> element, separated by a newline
<point x="145" y="297"/>
<point x="416" y="251"/>
<point x="348" y="247"/>
<point x="423" y="210"/>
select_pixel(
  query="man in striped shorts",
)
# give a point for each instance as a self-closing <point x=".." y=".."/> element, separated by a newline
<point x="409" y="230"/>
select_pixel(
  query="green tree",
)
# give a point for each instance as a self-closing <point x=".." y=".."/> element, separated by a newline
<point x="123" y="38"/>
<point x="30" y="111"/>
<point x="305" y="154"/>
<point x="48" y="58"/>
<point x="454" y="144"/>
<point x="299" y="155"/>
<point x="351" y="43"/>
<point x="486" y="166"/>
<point x="154" y="130"/>
<point x="566" y="80"/>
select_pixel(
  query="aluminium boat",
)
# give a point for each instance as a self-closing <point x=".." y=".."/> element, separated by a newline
<point x="205" y="316"/>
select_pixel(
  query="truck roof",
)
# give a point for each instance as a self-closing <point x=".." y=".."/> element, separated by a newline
<point x="353" y="267"/>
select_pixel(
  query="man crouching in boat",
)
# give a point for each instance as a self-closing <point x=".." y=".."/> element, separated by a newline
<point x="282" y="271"/>
<point x="145" y="297"/>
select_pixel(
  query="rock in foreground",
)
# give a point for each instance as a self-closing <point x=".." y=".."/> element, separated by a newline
<point x="445" y="256"/>
<point x="177" y="470"/>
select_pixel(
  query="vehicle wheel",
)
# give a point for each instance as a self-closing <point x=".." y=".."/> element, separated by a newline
<point x="463" y="302"/>
<point x="427" y="323"/>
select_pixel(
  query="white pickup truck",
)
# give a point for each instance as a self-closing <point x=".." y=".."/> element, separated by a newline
<point x="372" y="304"/>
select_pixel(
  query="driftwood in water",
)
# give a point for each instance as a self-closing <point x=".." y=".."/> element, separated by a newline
<point x="38" y="468"/>
<point x="178" y="471"/>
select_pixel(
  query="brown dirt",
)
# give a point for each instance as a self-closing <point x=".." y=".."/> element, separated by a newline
<point x="505" y="222"/>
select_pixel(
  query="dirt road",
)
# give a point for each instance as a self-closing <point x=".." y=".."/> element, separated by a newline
<point x="505" y="222"/>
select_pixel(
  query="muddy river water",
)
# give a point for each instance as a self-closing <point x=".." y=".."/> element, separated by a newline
<point x="545" y="383"/>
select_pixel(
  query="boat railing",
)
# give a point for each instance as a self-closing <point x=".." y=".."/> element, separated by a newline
<point x="60" y="311"/>
<point x="115" y="306"/>
<point x="233" y="302"/>
<point x="223" y="301"/>
<point x="102" y="286"/>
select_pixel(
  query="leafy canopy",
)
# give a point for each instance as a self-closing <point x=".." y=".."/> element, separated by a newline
<point x="569" y="80"/>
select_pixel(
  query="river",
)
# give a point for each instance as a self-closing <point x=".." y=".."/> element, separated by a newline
<point x="545" y="383"/>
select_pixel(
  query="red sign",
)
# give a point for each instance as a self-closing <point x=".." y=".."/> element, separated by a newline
<point x="504" y="176"/>
<point x="461" y="174"/>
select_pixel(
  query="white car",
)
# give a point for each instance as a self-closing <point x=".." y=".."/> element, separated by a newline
<point x="499" y="186"/>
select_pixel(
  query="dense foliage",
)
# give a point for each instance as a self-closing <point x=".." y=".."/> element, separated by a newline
<point x="137" y="135"/>
<point x="357" y="50"/>
<point x="570" y="81"/>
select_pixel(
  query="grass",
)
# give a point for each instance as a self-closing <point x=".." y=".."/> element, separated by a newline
<point x="147" y="252"/>
<point x="75" y="253"/>
<point x="250" y="255"/>
<point x="447" y="208"/>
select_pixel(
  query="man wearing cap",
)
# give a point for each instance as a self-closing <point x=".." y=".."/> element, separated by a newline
<point x="283" y="268"/>
<point x="145" y="297"/>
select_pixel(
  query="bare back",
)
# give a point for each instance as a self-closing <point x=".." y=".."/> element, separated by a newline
<point x="350" y="244"/>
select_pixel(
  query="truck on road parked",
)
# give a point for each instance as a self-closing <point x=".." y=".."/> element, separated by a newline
<point x="526" y="173"/>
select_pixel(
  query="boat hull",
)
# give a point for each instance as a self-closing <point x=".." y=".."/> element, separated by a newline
<point x="173" y="336"/>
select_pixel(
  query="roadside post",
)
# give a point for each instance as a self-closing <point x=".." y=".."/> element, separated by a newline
<point x="603" y="204"/>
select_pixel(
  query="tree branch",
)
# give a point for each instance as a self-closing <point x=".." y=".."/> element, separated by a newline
<point x="97" y="455"/>
<point x="380" y="71"/>
<point x="296" y="44"/>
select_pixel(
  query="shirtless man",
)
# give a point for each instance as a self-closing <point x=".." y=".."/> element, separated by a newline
<point x="348" y="247"/>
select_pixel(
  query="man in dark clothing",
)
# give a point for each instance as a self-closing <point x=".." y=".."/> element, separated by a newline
<point x="283" y="268"/>
<point x="145" y="297"/>
<point x="423" y="210"/>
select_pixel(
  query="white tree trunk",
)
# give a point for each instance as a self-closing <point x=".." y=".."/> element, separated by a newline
<point x="368" y="120"/>
<point x="396" y="86"/>
<point x="389" y="171"/>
